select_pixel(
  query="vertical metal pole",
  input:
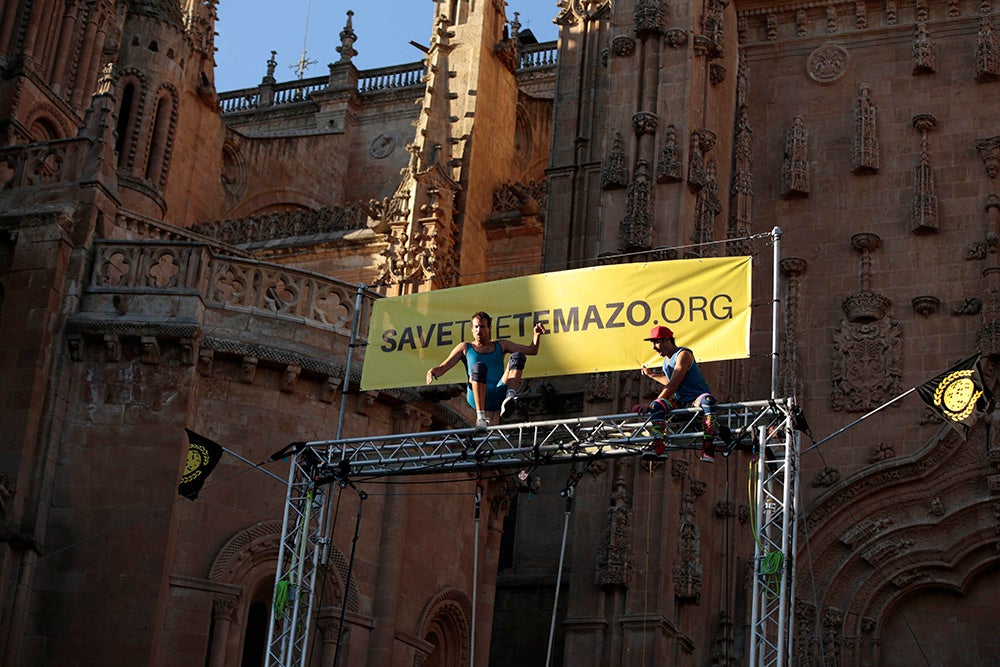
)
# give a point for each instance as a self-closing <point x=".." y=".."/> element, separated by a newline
<point x="786" y="528"/>
<point x="475" y="581"/>
<point x="757" y="609"/>
<point x="281" y="561"/>
<point x="350" y="355"/>
<point x="775" y="308"/>
<point x="325" y="532"/>
<point x="562" y="552"/>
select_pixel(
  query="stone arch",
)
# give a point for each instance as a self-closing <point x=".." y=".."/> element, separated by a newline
<point x="249" y="560"/>
<point x="446" y="624"/>
<point x="44" y="124"/>
<point x="888" y="535"/>
<point x="267" y="200"/>
<point x="131" y="105"/>
<point x="162" y="128"/>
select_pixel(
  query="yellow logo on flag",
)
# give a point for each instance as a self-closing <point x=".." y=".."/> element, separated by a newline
<point x="596" y="318"/>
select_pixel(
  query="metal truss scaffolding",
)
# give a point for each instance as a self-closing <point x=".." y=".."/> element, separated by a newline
<point x="760" y="426"/>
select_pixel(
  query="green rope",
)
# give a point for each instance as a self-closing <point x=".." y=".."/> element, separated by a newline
<point x="280" y="597"/>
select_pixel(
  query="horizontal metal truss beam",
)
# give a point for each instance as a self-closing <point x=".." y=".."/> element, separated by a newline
<point x="523" y="444"/>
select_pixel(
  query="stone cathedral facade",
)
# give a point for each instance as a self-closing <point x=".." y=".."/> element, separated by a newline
<point x="173" y="256"/>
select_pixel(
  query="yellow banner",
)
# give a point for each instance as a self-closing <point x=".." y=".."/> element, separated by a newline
<point x="596" y="319"/>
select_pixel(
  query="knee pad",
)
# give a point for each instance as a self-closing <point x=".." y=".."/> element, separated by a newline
<point x="659" y="408"/>
<point x="478" y="372"/>
<point x="517" y="361"/>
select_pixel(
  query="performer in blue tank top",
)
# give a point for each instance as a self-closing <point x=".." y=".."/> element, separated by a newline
<point x="491" y="387"/>
<point x="683" y="385"/>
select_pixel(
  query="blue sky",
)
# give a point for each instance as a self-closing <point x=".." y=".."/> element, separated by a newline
<point x="248" y="30"/>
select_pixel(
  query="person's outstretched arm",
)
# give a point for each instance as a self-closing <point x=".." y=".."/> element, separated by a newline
<point x="509" y="346"/>
<point x="453" y="358"/>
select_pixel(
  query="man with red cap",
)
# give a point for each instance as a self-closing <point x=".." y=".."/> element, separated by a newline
<point x="683" y="385"/>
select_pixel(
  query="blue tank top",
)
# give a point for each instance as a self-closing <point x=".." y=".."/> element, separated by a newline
<point x="493" y="361"/>
<point x="693" y="385"/>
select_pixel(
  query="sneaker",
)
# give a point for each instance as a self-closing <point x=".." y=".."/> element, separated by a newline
<point x="656" y="450"/>
<point x="655" y="454"/>
<point x="508" y="404"/>
<point x="482" y="423"/>
<point x="708" y="451"/>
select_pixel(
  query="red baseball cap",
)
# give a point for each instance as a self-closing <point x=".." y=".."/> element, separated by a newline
<point x="657" y="333"/>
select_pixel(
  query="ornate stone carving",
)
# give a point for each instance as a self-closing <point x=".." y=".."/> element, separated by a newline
<point x="867" y="364"/>
<point x="883" y="551"/>
<point x="866" y="144"/>
<point x="702" y="141"/>
<point x="831" y="19"/>
<point x="924" y="213"/>
<point x="687" y="570"/>
<point x="224" y="607"/>
<point x="716" y="74"/>
<point x="600" y="388"/>
<point x="860" y="14"/>
<point x="936" y="507"/>
<point x="112" y="348"/>
<point x="771" y="27"/>
<point x="709" y="42"/>
<point x="269" y="227"/>
<point x="989" y="151"/>
<point x="622" y="46"/>
<point x="614" y="174"/>
<point x="248" y="369"/>
<point x="347" y="39"/>
<point x="969" y="306"/>
<point x="290" y="377"/>
<point x="826" y="477"/>
<point x="206" y="359"/>
<point x="382" y="146"/>
<point x="614" y="560"/>
<point x="833" y="627"/>
<point x="827" y="63"/>
<point x="668" y="166"/>
<point x="890" y="12"/>
<point x="150" y="349"/>
<point x="635" y="231"/>
<point x="801" y="23"/>
<point x="707" y="207"/>
<point x="987" y="54"/>
<point x="926" y="305"/>
<point x="881" y="452"/>
<point x="679" y="468"/>
<point x="648" y="15"/>
<point x="675" y="38"/>
<point x="75" y="343"/>
<point x="234" y="170"/>
<point x="789" y="377"/>
<point x="644" y="122"/>
<point x="924" y="61"/>
<point x="795" y="166"/>
<point x="866" y="530"/>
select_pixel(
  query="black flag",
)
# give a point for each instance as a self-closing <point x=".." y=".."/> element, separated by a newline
<point x="959" y="395"/>
<point x="202" y="457"/>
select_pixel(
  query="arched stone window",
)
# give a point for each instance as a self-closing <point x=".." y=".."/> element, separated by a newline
<point x="161" y="136"/>
<point x="445" y="624"/>
<point x="129" y="116"/>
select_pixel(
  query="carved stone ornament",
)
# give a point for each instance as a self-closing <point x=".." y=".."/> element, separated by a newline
<point x="669" y="165"/>
<point x="926" y="305"/>
<point x="614" y="174"/>
<point x="622" y="46"/>
<point x="382" y="146"/>
<point x="675" y="38"/>
<point x="795" y="166"/>
<point x="989" y="151"/>
<point x="827" y="63"/>
<point x="644" y="122"/>
<point x="924" y="213"/>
